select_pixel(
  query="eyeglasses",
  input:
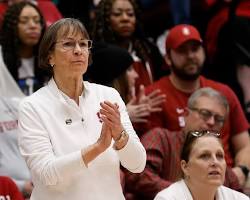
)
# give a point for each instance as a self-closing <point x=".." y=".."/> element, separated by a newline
<point x="204" y="132"/>
<point x="71" y="44"/>
<point x="206" y="115"/>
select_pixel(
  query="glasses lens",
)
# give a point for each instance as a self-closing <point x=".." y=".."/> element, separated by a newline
<point x="205" y="114"/>
<point x="71" y="44"/>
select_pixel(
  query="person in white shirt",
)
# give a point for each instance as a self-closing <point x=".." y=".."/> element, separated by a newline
<point x="74" y="134"/>
<point x="203" y="166"/>
<point x="21" y="31"/>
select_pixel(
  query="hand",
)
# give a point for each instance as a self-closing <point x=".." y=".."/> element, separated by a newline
<point x="137" y="112"/>
<point x="28" y="187"/>
<point x="110" y="115"/>
<point x="105" y="138"/>
<point x="241" y="177"/>
<point x="153" y="99"/>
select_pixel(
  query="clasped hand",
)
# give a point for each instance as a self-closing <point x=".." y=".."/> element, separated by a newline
<point x="111" y="127"/>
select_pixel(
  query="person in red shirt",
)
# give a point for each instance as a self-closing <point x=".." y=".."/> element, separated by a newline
<point x="206" y="111"/>
<point x="185" y="56"/>
<point x="9" y="190"/>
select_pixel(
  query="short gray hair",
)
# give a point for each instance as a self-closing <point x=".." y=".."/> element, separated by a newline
<point x="208" y="92"/>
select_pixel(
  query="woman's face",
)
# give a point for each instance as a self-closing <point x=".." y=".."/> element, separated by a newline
<point x="206" y="165"/>
<point x="131" y="76"/>
<point x="70" y="55"/>
<point x="29" y="26"/>
<point x="122" y="18"/>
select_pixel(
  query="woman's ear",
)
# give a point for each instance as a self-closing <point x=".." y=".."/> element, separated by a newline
<point x="184" y="168"/>
<point x="50" y="60"/>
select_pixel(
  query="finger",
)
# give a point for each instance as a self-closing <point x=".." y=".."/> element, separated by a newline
<point x="139" y="120"/>
<point x="154" y="93"/>
<point x="141" y="91"/>
<point x="152" y="110"/>
<point x="161" y="98"/>
<point x="107" y="121"/>
<point x="132" y="101"/>
<point x="110" y="107"/>
<point x="111" y="116"/>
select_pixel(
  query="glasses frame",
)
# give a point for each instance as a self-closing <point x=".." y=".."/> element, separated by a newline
<point x="76" y="42"/>
<point x="204" y="132"/>
<point x="217" y="121"/>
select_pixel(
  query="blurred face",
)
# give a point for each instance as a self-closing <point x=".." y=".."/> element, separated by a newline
<point x="131" y="76"/>
<point x="70" y="55"/>
<point x="207" y="114"/>
<point x="122" y="18"/>
<point x="206" y="165"/>
<point x="29" y="26"/>
<point x="187" y="60"/>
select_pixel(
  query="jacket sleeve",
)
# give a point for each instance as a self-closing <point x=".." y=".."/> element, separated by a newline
<point x="35" y="146"/>
<point x="133" y="155"/>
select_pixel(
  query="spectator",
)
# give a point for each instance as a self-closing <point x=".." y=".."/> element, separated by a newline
<point x="206" y="109"/>
<point x="185" y="56"/>
<point x="112" y="66"/>
<point x="118" y="22"/>
<point x="23" y="26"/>
<point x="91" y="119"/>
<point x="228" y="46"/>
<point x="48" y="9"/>
<point x="12" y="163"/>
<point x="203" y="166"/>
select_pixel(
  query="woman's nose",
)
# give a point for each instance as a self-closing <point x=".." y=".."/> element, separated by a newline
<point x="77" y="48"/>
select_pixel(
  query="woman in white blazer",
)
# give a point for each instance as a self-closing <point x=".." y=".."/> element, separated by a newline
<point x="74" y="134"/>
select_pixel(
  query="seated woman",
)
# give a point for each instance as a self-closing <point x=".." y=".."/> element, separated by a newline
<point x="118" y="22"/>
<point x="113" y="66"/>
<point x="203" y="166"/>
<point x="21" y="31"/>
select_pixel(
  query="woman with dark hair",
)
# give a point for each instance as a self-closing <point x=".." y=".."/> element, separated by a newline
<point x="74" y="134"/>
<point x="118" y="22"/>
<point x="20" y="35"/>
<point x="203" y="168"/>
<point x="112" y="66"/>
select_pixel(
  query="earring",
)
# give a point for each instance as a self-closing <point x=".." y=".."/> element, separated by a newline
<point x="52" y="65"/>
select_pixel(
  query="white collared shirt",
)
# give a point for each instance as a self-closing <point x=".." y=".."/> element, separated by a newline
<point x="53" y="130"/>
<point x="180" y="191"/>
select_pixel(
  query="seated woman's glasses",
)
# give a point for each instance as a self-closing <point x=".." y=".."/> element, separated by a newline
<point x="204" y="132"/>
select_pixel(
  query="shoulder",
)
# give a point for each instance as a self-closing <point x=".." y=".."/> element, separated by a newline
<point x="162" y="83"/>
<point x="215" y="85"/>
<point x="172" y="192"/>
<point x="161" y="134"/>
<point x="228" y="193"/>
<point x="40" y="98"/>
<point x="102" y="90"/>
<point x="222" y="88"/>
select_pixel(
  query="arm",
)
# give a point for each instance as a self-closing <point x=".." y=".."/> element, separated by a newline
<point x="241" y="144"/>
<point x="37" y="149"/>
<point x="151" y="181"/>
<point x="133" y="154"/>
